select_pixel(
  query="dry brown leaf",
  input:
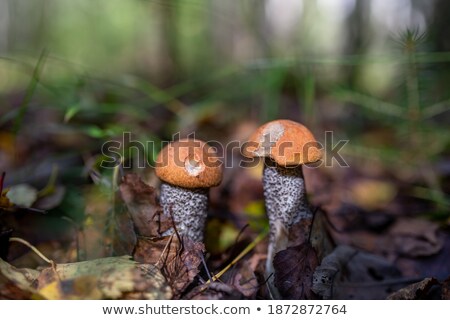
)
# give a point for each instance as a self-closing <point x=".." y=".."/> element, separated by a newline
<point x="320" y="238"/>
<point x="179" y="262"/>
<point x="347" y="273"/>
<point x="113" y="277"/>
<point x="242" y="276"/>
<point x="407" y="237"/>
<point x="144" y="209"/>
<point x="245" y="281"/>
<point x="106" y="278"/>
<point x="10" y="291"/>
<point x="156" y="251"/>
<point x="15" y="282"/>
<point x="181" y="270"/>
<point x="294" y="268"/>
<point x="415" y="291"/>
<point x="416" y="237"/>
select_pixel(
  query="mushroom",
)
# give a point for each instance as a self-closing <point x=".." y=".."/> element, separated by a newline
<point x="285" y="145"/>
<point x="188" y="168"/>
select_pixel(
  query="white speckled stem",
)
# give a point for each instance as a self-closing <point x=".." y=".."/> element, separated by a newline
<point x="286" y="204"/>
<point x="188" y="207"/>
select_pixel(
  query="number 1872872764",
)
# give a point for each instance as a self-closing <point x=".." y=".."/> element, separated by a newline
<point x="306" y="309"/>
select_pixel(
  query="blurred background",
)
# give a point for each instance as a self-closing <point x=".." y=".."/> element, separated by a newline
<point x="75" y="74"/>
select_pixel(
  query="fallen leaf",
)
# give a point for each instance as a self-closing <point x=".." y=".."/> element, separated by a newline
<point x="10" y="291"/>
<point x="19" y="281"/>
<point x="242" y="276"/>
<point x="53" y="291"/>
<point x="156" y="251"/>
<point x="181" y="270"/>
<point x="294" y="268"/>
<point x="416" y="237"/>
<point x="106" y="278"/>
<point x="347" y="273"/>
<point x="113" y="276"/>
<point x="244" y="280"/>
<point x="144" y="209"/>
<point x="415" y="291"/>
<point x="437" y="265"/>
<point x="320" y="238"/>
<point x="178" y="262"/>
<point x="405" y="237"/>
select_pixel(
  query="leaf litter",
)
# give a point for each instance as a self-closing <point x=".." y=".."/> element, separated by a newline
<point x="166" y="265"/>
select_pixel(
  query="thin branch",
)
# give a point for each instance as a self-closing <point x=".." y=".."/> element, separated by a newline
<point x="35" y="250"/>
<point x="247" y="249"/>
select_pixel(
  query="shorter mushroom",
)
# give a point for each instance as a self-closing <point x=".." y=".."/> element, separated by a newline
<point x="286" y="145"/>
<point x="188" y="168"/>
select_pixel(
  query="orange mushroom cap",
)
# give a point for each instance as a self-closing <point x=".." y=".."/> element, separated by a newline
<point x="286" y="142"/>
<point x="189" y="163"/>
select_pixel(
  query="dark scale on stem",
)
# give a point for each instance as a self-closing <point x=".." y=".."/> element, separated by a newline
<point x="188" y="207"/>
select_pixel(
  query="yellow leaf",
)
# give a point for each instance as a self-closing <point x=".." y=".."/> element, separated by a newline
<point x="52" y="291"/>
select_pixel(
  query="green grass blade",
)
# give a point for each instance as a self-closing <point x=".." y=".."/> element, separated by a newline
<point x="29" y="92"/>
<point x="369" y="103"/>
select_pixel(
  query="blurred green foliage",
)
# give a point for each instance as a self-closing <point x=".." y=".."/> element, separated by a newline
<point x="154" y="67"/>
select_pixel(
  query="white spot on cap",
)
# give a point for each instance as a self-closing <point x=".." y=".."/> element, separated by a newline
<point x="193" y="167"/>
<point x="269" y="138"/>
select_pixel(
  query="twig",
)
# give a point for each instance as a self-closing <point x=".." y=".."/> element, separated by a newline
<point x="36" y="251"/>
<point x="206" y="267"/>
<point x="164" y="251"/>
<point x="247" y="249"/>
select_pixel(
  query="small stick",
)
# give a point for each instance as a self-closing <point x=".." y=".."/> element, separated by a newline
<point x="206" y="267"/>
<point x="164" y="251"/>
<point x="36" y="251"/>
<point x="247" y="249"/>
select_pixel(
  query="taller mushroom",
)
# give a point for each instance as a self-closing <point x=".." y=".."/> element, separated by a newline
<point x="188" y="168"/>
<point x="286" y="146"/>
